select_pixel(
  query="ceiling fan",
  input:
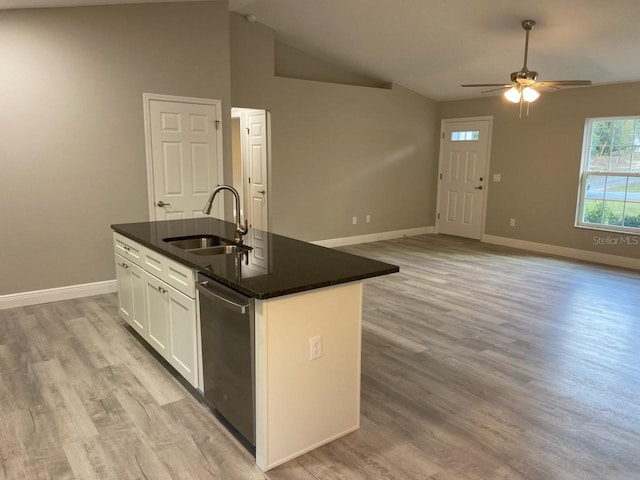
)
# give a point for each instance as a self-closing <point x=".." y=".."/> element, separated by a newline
<point x="521" y="89"/>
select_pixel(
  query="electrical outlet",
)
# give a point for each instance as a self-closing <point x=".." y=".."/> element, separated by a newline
<point x="315" y="347"/>
<point x="512" y="222"/>
<point x="368" y="219"/>
<point x="354" y="220"/>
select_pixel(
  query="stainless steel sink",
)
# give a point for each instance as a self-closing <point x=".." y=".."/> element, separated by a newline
<point x="220" y="250"/>
<point x="206" y="245"/>
<point x="196" y="242"/>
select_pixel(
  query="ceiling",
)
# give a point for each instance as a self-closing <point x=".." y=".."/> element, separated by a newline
<point x="432" y="46"/>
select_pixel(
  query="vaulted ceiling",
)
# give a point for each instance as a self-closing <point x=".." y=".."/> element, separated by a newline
<point x="432" y="46"/>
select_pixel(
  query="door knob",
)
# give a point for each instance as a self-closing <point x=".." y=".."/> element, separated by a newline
<point x="478" y="188"/>
<point x="162" y="204"/>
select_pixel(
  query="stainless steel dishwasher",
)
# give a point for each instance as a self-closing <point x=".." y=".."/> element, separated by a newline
<point x="227" y="333"/>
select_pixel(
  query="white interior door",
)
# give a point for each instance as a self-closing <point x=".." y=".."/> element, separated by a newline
<point x="464" y="155"/>
<point x="251" y="150"/>
<point x="257" y="194"/>
<point x="184" y="155"/>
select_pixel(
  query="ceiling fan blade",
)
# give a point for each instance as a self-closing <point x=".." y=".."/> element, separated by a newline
<point x="485" y="85"/>
<point x="564" y="83"/>
<point x="496" y="89"/>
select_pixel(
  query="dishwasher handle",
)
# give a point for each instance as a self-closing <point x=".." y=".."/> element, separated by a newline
<point x="203" y="289"/>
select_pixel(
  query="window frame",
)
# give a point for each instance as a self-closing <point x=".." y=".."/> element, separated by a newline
<point x="585" y="173"/>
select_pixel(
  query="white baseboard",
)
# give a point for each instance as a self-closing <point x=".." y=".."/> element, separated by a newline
<point x="585" y="255"/>
<point x="374" y="237"/>
<point x="22" y="299"/>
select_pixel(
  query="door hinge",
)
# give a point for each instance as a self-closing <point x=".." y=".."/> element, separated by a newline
<point x="443" y="135"/>
<point x="440" y="176"/>
<point x="248" y="131"/>
<point x="217" y="124"/>
<point x="438" y="216"/>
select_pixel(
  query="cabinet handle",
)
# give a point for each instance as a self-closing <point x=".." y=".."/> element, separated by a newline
<point x="124" y="265"/>
<point x="127" y="249"/>
<point x="163" y="290"/>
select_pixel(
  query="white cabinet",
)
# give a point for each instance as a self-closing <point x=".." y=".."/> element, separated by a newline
<point x="182" y="334"/>
<point x="179" y="276"/>
<point x="125" y="289"/>
<point x="131" y="298"/>
<point x="156" y="296"/>
<point x="158" y="326"/>
<point x="127" y="249"/>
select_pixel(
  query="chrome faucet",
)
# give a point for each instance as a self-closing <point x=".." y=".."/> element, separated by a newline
<point x="240" y="228"/>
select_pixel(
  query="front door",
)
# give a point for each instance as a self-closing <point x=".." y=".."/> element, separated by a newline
<point x="184" y="155"/>
<point x="464" y="152"/>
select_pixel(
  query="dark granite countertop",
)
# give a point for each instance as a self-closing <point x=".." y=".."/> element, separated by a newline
<point x="282" y="267"/>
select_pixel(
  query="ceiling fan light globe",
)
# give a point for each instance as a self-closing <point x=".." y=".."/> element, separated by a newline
<point x="530" y="95"/>
<point x="513" y="95"/>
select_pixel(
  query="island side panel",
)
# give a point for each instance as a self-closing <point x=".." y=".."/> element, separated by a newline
<point x="302" y="403"/>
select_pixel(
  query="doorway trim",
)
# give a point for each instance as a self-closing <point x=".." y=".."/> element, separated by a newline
<point x="443" y="123"/>
<point x="146" y="101"/>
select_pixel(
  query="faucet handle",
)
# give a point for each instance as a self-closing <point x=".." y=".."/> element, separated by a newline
<point x="243" y="229"/>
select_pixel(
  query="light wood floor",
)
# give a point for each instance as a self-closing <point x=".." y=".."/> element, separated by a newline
<point x="479" y="362"/>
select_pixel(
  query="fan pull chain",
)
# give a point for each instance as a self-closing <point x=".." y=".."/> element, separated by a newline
<point x="520" y="114"/>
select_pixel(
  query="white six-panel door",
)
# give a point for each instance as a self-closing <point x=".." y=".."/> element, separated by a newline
<point x="255" y="124"/>
<point x="184" y="145"/>
<point x="464" y="152"/>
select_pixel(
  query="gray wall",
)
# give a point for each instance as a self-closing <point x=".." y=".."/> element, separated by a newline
<point x="73" y="155"/>
<point x="338" y="150"/>
<point x="293" y="63"/>
<point x="539" y="159"/>
<point x="72" y="150"/>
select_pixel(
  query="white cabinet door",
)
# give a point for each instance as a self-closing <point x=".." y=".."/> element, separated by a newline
<point x="157" y="316"/>
<point x="125" y="289"/>
<point x="131" y="294"/>
<point x="183" y="349"/>
<point x="138" y="319"/>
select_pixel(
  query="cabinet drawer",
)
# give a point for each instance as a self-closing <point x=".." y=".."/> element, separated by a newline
<point x="174" y="273"/>
<point x="181" y="277"/>
<point x="127" y="248"/>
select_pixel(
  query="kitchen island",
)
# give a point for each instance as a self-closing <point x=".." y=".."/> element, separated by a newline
<point x="300" y="293"/>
